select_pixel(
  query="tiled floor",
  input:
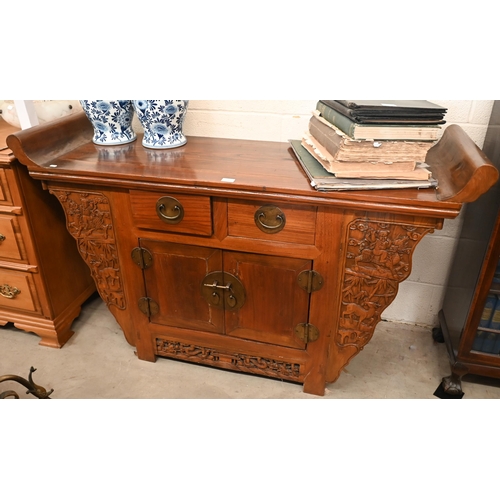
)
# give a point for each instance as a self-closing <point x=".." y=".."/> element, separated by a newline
<point x="401" y="362"/>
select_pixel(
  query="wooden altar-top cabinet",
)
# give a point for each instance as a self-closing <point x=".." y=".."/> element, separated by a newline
<point x="43" y="279"/>
<point x="221" y="253"/>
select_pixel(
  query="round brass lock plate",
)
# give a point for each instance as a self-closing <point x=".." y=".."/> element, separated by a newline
<point x="223" y="291"/>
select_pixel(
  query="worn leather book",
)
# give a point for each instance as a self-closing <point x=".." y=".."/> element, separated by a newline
<point x="322" y="180"/>
<point x="344" y="148"/>
<point x="364" y="170"/>
<point x="389" y="111"/>
<point x="411" y="132"/>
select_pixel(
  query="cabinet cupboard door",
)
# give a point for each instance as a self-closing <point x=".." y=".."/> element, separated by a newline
<point x="173" y="281"/>
<point x="274" y="304"/>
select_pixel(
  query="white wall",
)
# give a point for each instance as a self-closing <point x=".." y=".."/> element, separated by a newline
<point x="420" y="297"/>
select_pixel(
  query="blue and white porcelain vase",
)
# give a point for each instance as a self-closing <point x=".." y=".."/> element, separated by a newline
<point x="162" y="122"/>
<point x="112" y="121"/>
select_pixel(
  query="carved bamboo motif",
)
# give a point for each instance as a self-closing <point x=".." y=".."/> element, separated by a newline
<point x="88" y="219"/>
<point x="378" y="258"/>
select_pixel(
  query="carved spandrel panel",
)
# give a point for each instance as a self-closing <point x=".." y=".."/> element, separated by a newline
<point x="88" y="219"/>
<point x="378" y="258"/>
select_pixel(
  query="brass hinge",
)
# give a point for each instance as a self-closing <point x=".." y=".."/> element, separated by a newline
<point x="310" y="281"/>
<point x="148" y="306"/>
<point x="307" y="332"/>
<point x="142" y="257"/>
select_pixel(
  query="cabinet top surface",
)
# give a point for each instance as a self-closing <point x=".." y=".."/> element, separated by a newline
<point x="219" y="166"/>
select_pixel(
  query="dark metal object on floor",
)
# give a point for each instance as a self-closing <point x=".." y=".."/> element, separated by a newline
<point x="37" y="390"/>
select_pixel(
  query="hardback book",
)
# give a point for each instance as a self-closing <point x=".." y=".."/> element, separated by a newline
<point x="495" y="318"/>
<point x="496" y="277"/>
<point x="344" y="148"/>
<point x="496" y="346"/>
<point x="377" y="131"/>
<point x="488" y="311"/>
<point x="406" y="107"/>
<point x="366" y="170"/>
<point x="489" y="342"/>
<point x="478" y="340"/>
<point x="362" y="170"/>
<point x="322" y="180"/>
<point x="389" y="111"/>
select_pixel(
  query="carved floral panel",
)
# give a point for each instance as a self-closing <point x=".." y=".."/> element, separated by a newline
<point x="88" y="219"/>
<point x="242" y="362"/>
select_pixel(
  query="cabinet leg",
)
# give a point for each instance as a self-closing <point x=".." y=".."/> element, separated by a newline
<point x="145" y="353"/>
<point x="314" y="387"/>
<point x="452" y="385"/>
<point x="437" y="335"/>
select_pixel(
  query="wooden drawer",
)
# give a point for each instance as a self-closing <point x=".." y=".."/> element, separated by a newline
<point x="273" y="222"/>
<point x="5" y="194"/>
<point x="17" y="290"/>
<point x="176" y="213"/>
<point x="10" y="239"/>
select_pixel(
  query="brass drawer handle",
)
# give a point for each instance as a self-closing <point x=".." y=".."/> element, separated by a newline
<point x="9" y="292"/>
<point x="266" y="216"/>
<point x="2" y="238"/>
<point x="169" y="210"/>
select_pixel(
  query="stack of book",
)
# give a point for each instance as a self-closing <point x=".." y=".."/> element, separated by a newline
<point x="369" y="144"/>
<point x="488" y="335"/>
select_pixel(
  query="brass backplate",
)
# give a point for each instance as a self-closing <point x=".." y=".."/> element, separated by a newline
<point x="270" y="219"/>
<point x="169" y="210"/>
<point x="223" y="290"/>
<point x="307" y="332"/>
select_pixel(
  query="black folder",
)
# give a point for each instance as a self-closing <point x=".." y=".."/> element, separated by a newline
<point x="389" y="111"/>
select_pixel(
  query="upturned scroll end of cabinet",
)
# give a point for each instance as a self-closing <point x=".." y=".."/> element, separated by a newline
<point x="470" y="316"/>
<point x="43" y="280"/>
<point x="262" y="275"/>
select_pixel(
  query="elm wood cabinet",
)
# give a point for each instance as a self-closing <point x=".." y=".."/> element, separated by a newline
<point x="472" y="281"/>
<point x="43" y="279"/>
<point x="221" y="253"/>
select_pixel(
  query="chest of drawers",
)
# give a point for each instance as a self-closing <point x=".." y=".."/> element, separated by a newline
<point x="43" y="280"/>
<point x="221" y="253"/>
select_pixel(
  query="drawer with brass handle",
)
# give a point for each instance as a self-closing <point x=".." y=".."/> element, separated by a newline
<point x="10" y="239"/>
<point x="17" y="290"/>
<point x="274" y="222"/>
<point x="177" y="213"/>
<point x="5" y="194"/>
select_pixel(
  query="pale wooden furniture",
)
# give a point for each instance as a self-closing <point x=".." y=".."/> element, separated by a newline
<point x="221" y="253"/>
<point x="43" y="279"/>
